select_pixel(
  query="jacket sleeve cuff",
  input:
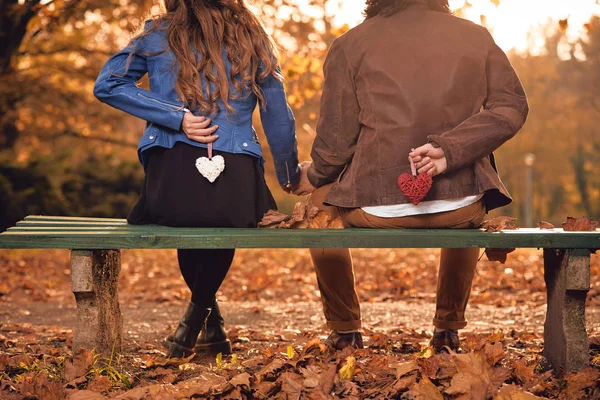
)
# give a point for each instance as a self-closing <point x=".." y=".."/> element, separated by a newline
<point x="175" y="120"/>
<point x="288" y="171"/>
<point x="316" y="179"/>
<point x="440" y="141"/>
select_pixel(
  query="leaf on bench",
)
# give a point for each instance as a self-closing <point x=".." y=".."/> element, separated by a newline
<point x="580" y="224"/>
<point x="545" y="225"/>
<point x="499" y="224"/>
<point x="498" y="254"/>
<point x="272" y="219"/>
<point x="304" y="216"/>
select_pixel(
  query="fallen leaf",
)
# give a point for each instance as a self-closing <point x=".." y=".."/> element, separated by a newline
<point x="163" y="362"/>
<point x="272" y="218"/>
<point x="545" y="225"/>
<point x="405" y="368"/>
<point x="348" y="370"/>
<point x="580" y="224"/>
<point x="320" y="221"/>
<point x="498" y="224"/>
<point x="201" y="386"/>
<point x="242" y="379"/>
<point x="522" y="371"/>
<point x="100" y="384"/>
<point x="270" y="369"/>
<point x="86" y="395"/>
<point x="494" y="353"/>
<point x="513" y="392"/>
<point x="498" y="254"/>
<point x="425" y="390"/>
<point x="291" y="386"/>
<point x="336" y="224"/>
<point x="578" y="382"/>
<point x="327" y="380"/>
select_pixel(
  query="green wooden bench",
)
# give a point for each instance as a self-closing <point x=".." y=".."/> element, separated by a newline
<point x="95" y="245"/>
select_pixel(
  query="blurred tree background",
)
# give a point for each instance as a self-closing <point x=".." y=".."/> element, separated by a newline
<point x="64" y="153"/>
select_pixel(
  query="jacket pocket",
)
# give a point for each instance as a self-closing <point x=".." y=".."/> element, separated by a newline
<point x="251" y="147"/>
<point x="148" y="139"/>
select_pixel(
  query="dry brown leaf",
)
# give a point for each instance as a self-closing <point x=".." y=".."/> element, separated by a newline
<point x="299" y="212"/>
<point x="291" y="385"/>
<point x="494" y="353"/>
<point x="327" y="379"/>
<point x="429" y="366"/>
<point x="86" y="395"/>
<point x="99" y="383"/>
<point x="580" y="224"/>
<point x="157" y="391"/>
<point x="425" y="390"/>
<point x="523" y="372"/>
<point x="405" y="368"/>
<point x="320" y="220"/>
<point x="273" y="218"/>
<point x="498" y="254"/>
<point x="545" y="225"/>
<point x="336" y="224"/>
<point x="578" y="382"/>
<point x="242" y="379"/>
<point x="201" y="386"/>
<point x="311" y="211"/>
<point x="163" y="362"/>
<point x="513" y="392"/>
<point x="270" y="369"/>
<point x="498" y="224"/>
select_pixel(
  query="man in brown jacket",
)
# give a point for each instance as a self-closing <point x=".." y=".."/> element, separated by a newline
<point x="412" y="82"/>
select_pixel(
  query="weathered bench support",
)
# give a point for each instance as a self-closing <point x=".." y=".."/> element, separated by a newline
<point x="94" y="278"/>
<point x="567" y="276"/>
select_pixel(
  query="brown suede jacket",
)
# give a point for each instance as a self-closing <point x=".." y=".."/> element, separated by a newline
<point x="394" y="83"/>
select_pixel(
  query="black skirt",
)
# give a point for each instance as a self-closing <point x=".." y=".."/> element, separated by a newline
<point x="175" y="194"/>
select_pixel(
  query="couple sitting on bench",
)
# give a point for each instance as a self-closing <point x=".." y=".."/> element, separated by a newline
<point x="411" y="85"/>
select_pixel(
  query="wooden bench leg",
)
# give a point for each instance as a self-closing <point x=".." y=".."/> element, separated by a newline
<point x="567" y="276"/>
<point x="94" y="277"/>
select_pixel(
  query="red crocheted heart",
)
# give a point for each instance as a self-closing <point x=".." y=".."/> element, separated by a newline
<point x="415" y="187"/>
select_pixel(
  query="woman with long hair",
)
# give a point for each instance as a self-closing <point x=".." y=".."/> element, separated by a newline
<point x="416" y="85"/>
<point x="209" y="63"/>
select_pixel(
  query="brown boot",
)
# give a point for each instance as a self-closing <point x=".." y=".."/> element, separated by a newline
<point x="340" y="341"/>
<point x="445" y="339"/>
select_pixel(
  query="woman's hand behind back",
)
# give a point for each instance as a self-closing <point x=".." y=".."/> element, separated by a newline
<point x="196" y="128"/>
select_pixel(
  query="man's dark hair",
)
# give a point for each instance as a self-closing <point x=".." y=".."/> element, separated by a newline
<point x="390" y="7"/>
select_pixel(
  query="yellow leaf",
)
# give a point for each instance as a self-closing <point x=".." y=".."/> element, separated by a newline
<point x="290" y="352"/>
<point x="219" y="360"/>
<point x="234" y="359"/>
<point x="348" y="370"/>
<point x="426" y="352"/>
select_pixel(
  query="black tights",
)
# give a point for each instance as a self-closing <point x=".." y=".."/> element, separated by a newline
<point x="203" y="271"/>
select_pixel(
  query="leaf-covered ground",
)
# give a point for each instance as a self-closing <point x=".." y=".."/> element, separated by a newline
<point x="271" y="303"/>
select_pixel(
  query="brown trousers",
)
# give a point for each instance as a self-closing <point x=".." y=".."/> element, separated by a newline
<point x="335" y="272"/>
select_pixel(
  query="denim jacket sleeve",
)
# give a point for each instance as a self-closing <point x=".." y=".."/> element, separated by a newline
<point x="280" y="128"/>
<point x="116" y="86"/>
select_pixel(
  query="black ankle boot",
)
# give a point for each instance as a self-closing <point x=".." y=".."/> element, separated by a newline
<point x="181" y="343"/>
<point x="213" y="339"/>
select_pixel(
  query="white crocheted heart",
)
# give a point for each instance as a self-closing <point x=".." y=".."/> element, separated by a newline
<point x="210" y="169"/>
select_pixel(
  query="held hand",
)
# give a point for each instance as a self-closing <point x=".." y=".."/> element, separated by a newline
<point x="196" y="128"/>
<point x="304" y="187"/>
<point x="429" y="159"/>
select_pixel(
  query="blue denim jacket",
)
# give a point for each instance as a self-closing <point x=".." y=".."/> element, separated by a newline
<point x="117" y="86"/>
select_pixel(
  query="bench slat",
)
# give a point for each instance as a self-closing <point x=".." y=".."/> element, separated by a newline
<point x="75" y="219"/>
<point x="70" y="223"/>
<point x="153" y="237"/>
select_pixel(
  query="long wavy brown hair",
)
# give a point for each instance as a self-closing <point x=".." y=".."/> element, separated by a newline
<point x="197" y="31"/>
<point x="390" y="7"/>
